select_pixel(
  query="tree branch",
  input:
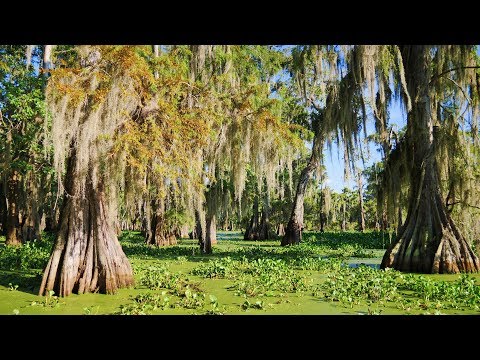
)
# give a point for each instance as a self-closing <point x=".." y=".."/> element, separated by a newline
<point x="434" y="77"/>
<point x="463" y="92"/>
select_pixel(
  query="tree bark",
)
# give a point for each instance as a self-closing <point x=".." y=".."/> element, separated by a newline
<point x="251" y="233"/>
<point x="28" y="55"/>
<point x="281" y="229"/>
<point x="361" y="223"/>
<point x="344" y="215"/>
<point x="200" y="229"/>
<point x="264" y="231"/>
<point x="3" y="208"/>
<point x="429" y="242"/>
<point x="211" y="235"/>
<point x="13" y="234"/>
<point x="161" y="235"/>
<point x="47" y="57"/>
<point x="147" y="220"/>
<point x="293" y="232"/>
<point x="323" y="215"/>
<point x="87" y="256"/>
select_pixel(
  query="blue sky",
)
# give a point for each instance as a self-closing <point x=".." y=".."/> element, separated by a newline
<point x="334" y="162"/>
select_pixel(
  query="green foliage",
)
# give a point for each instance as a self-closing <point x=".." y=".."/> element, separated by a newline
<point x="156" y="278"/>
<point x="256" y="305"/>
<point x="144" y="304"/>
<point x="217" y="268"/>
<point x="12" y="287"/>
<point x="133" y="245"/>
<point x="355" y="286"/>
<point x="32" y="255"/>
<point x="50" y="301"/>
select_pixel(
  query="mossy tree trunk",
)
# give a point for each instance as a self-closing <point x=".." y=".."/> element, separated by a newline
<point x="3" y="208"/>
<point x="293" y="232"/>
<point x="87" y="256"/>
<point x="429" y="241"/>
<point x="200" y="231"/>
<point x="12" y="226"/>
<point x="361" y="220"/>
<point x="210" y="220"/>
<point x="251" y="233"/>
<point x="264" y="231"/>
<point x="160" y="233"/>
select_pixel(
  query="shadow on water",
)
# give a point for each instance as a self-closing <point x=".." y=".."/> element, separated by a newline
<point x="27" y="281"/>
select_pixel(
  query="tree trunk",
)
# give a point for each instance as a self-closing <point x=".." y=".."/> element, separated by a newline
<point x="28" y="55"/>
<point x="251" y="233"/>
<point x="344" y="217"/>
<point x="47" y="57"/>
<point x="264" y="228"/>
<point x="280" y="230"/>
<point x="32" y="208"/>
<point x="211" y="236"/>
<point x="147" y="220"/>
<point x="200" y="229"/>
<point x="13" y="234"/>
<point x="323" y="215"/>
<point x="429" y="242"/>
<point x="3" y="209"/>
<point x="293" y="232"/>
<point x="361" y="223"/>
<point x="264" y="232"/>
<point x="156" y="53"/>
<point x="87" y="256"/>
<point x="160" y="234"/>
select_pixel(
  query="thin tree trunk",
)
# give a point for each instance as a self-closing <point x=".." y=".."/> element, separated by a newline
<point x="344" y="216"/>
<point x="211" y="235"/>
<point x="156" y="53"/>
<point x="161" y="235"/>
<point x="3" y="208"/>
<point x="293" y="232"/>
<point x="429" y="242"/>
<point x="251" y="233"/>
<point x="361" y="222"/>
<point x="147" y="220"/>
<point x="200" y="226"/>
<point x="281" y="229"/>
<point x="12" y="225"/>
<point x="323" y="215"/>
<point x="87" y="256"/>
<point x="28" y="55"/>
<point x="47" y="57"/>
<point x="264" y="232"/>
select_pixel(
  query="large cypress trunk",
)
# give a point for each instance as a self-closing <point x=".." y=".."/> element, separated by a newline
<point x="429" y="241"/>
<point x="293" y="232"/>
<point x="87" y="256"/>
